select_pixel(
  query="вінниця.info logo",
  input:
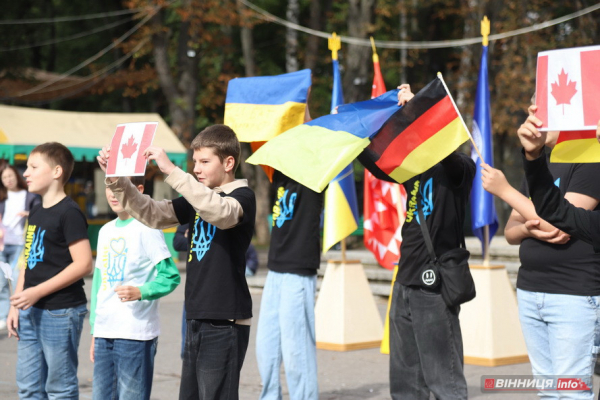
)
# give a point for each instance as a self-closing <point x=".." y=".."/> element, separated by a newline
<point x="529" y="383"/>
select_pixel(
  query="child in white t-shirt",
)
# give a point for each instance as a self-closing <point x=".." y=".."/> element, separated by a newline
<point x="133" y="270"/>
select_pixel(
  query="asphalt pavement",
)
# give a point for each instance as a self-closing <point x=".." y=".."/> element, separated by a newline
<point x="352" y="375"/>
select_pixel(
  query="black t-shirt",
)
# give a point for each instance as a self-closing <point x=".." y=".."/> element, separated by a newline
<point x="49" y="234"/>
<point x="295" y="239"/>
<point x="443" y="199"/>
<point x="571" y="268"/>
<point x="215" y="286"/>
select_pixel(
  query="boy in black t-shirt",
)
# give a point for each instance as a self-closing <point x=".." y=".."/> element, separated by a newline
<point x="221" y="213"/>
<point x="286" y="326"/>
<point x="426" y="353"/>
<point x="49" y="304"/>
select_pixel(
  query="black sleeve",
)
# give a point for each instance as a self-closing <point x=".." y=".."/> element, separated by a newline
<point x="554" y="208"/>
<point x="74" y="226"/>
<point x="180" y="242"/>
<point x="459" y="168"/>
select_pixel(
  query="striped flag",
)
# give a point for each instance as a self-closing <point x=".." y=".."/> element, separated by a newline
<point x="315" y="152"/>
<point x="127" y="148"/>
<point x="260" y="108"/>
<point x="576" y="147"/>
<point x="567" y="87"/>
<point x="384" y="203"/>
<point x="418" y="136"/>
<point x="341" y="206"/>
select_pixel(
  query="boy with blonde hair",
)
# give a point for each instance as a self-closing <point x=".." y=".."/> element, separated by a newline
<point x="49" y="304"/>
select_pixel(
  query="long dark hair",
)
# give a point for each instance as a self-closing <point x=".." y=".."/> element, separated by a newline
<point x="20" y="182"/>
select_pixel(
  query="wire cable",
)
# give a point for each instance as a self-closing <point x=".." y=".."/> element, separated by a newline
<point x="91" y="59"/>
<point x="103" y="73"/>
<point x="439" y="44"/>
<point x="70" y="18"/>
<point x="67" y="38"/>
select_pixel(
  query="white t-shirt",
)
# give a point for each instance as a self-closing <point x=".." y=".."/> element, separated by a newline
<point x="126" y="257"/>
<point x="15" y="203"/>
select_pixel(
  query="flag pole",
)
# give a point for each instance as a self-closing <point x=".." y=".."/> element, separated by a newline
<point x="441" y="78"/>
<point x="485" y="31"/>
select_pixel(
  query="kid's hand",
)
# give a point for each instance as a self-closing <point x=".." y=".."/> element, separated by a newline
<point x="531" y="138"/>
<point x="160" y="158"/>
<point x="12" y="322"/>
<point x="493" y="180"/>
<point x="23" y="214"/>
<point x="404" y="95"/>
<point x="128" y="293"/>
<point x="92" y="349"/>
<point x="25" y="299"/>
<point x="555" y="236"/>
<point x="102" y="159"/>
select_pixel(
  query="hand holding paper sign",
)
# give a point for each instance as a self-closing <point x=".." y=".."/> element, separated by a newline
<point x="160" y="158"/>
<point x="532" y="139"/>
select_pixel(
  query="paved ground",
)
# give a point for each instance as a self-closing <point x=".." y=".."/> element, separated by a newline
<point x="350" y="375"/>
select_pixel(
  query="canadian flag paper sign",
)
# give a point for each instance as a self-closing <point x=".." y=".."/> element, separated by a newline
<point x="127" y="148"/>
<point x="568" y="89"/>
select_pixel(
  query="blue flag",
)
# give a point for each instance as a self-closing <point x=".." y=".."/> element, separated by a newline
<point x="483" y="211"/>
<point x="341" y="205"/>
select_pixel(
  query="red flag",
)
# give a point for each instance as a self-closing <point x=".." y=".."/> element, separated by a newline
<point x="384" y="204"/>
<point x="384" y="214"/>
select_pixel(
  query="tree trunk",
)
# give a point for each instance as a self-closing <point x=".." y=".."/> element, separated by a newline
<point x="180" y="87"/>
<point x="291" y="37"/>
<point x="318" y="15"/>
<point x="247" y="41"/>
<point x="358" y="76"/>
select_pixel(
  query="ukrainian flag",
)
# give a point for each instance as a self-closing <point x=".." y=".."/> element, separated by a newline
<point x="315" y="152"/>
<point x="341" y="206"/>
<point x="260" y="108"/>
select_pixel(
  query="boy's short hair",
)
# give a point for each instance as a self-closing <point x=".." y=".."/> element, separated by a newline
<point x="137" y="180"/>
<point x="57" y="154"/>
<point x="222" y="139"/>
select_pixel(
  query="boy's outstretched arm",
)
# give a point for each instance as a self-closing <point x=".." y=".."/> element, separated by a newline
<point x="81" y="253"/>
<point x="523" y="221"/>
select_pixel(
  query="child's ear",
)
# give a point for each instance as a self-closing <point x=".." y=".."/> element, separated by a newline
<point x="57" y="172"/>
<point x="140" y="188"/>
<point x="229" y="163"/>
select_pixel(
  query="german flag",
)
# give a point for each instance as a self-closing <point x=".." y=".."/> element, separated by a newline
<point x="576" y="147"/>
<point x="418" y="136"/>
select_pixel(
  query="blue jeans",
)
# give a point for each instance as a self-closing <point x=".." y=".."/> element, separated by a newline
<point x="47" y="352"/>
<point x="212" y="359"/>
<point x="123" y="368"/>
<point x="562" y="336"/>
<point x="426" y="351"/>
<point x="9" y="255"/>
<point x="286" y="331"/>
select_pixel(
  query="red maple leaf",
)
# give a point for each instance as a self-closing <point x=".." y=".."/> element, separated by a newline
<point x="564" y="90"/>
<point x="128" y="148"/>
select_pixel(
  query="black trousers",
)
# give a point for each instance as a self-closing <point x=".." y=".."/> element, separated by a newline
<point x="426" y="351"/>
<point x="212" y="360"/>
